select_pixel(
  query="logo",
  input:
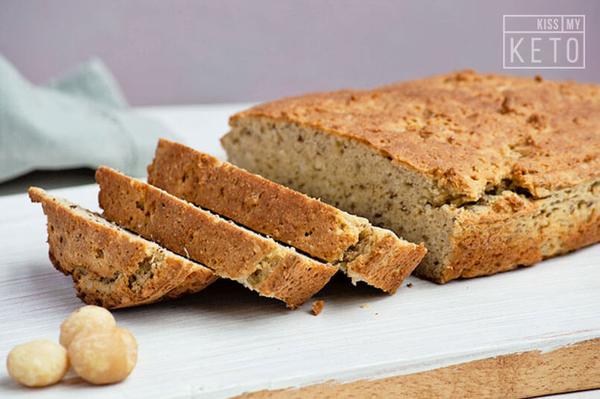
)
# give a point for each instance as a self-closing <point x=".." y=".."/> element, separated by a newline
<point x="543" y="41"/>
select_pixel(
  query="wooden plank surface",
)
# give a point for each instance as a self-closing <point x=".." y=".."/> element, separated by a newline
<point x="525" y="374"/>
<point x="226" y="341"/>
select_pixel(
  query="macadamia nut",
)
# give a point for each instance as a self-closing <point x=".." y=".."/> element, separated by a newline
<point x="86" y="319"/>
<point x="37" y="363"/>
<point x="103" y="357"/>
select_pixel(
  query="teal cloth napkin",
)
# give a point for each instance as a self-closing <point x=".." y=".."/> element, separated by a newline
<point x="78" y="120"/>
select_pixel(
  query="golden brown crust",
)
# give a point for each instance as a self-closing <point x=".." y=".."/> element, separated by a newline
<point x="308" y="224"/>
<point x="229" y="250"/>
<point x="468" y="132"/>
<point x="109" y="266"/>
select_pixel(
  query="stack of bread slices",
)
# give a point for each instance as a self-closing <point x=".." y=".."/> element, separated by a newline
<point x="197" y="219"/>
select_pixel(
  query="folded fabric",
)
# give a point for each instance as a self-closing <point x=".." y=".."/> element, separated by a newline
<point x="79" y="120"/>
<point x="92" y="81"/>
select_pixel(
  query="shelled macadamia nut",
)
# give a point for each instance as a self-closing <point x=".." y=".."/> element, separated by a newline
<point x="103" y="357"/>
<point x="86" y="319"/>
<point x="37" y="363"/>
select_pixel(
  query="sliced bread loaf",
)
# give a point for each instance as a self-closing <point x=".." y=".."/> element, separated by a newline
<point x="229" y="250"/>
<point x="490" y="171"/>
<point x="364" y="252"/>
<point x="110" y="266"/>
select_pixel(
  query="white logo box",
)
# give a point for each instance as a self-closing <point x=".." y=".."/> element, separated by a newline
<point x="543" y="41"/>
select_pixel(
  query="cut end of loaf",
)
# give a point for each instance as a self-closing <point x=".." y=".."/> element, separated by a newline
<point x="501" y="231"/>
<point x="347" y="175"/>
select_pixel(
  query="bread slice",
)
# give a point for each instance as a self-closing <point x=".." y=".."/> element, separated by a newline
<point x="316" y="228"/>
<point x="229" y="250"/>
<point x="110" y="266"/>
<point x="364" y="252"/>
<point x="491" y="172"/>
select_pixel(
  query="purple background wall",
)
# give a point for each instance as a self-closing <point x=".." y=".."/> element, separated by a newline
<point x="183" y="51"/>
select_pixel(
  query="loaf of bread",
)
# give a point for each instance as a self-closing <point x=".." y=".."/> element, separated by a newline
<point x="231" y="251"/>
<point x="366" y="253"/>
<point x="110" y="266"/>
<point x="491" y="172"/>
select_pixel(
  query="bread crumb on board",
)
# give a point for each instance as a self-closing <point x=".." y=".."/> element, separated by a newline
<point x="409" y="285"/>
<point x="317" y="307"/>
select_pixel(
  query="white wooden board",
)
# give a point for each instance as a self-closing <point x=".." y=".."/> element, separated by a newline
<point x="226" y="340"/>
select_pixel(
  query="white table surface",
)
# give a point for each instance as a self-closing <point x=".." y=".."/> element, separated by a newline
<point x="226" y="340"/>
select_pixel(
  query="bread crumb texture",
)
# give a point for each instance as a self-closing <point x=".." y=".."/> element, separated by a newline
<point x="317" y="307"/>
<point x="490" y="171"/>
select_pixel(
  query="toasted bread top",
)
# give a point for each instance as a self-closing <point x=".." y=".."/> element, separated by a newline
<point x="470" y="133"/>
